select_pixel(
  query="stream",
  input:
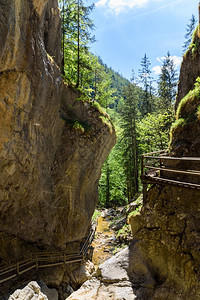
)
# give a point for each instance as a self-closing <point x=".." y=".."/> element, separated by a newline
<point x="103" y="243"/>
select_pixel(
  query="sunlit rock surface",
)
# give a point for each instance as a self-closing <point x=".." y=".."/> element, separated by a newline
<point x="112" y="281"/>
<point x="32" y="292"/>
<point x="166" y="231"/>
<point x="49" y="169"/>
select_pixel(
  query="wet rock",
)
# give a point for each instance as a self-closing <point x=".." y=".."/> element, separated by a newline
<point x="110" y="212"/>
<point x="119" y="224"/>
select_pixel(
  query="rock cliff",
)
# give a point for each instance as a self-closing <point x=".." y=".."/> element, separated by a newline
<point x="163" y="261"/>
<point x="52" y="143"/>
<point x="166" y="232"/>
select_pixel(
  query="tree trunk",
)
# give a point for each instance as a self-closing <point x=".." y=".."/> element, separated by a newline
<point x="78" y="48"/>
<point x="63" y="40"/>
<point x="107" y="184"/>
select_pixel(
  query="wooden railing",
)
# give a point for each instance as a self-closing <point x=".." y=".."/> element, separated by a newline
<point x="159" y="167"/>
<point x="46" y="259"/>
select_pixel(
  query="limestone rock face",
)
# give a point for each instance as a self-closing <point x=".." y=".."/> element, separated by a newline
<point x="49" y="167"/>
<point x="166" y="232"/>
<point x="124" y="276"/>
<point x="31" y="291"/>
<point x="190" y="69"/>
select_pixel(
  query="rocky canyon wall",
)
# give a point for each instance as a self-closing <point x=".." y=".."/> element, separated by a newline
<point x="49" y="166"/>
<point x="166" y="232"/>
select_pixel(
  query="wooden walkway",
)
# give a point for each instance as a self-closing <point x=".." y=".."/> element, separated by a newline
<point x="159" y="167"/>
<point x="46" y="260"/>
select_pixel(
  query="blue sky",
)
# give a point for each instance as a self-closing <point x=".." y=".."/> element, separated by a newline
<point x="127" y="29"/>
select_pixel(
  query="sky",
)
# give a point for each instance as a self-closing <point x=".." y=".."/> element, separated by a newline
<point x="127" y="29"/>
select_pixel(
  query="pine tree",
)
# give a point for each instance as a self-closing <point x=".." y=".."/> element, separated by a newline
<point x="146" y="80"/>
<point x="102" y="91"/>
<point x="167" y="84"/>
<point x="76" y="36"/>
<point x="189" y="30"/>
<point x="129" y="116"/>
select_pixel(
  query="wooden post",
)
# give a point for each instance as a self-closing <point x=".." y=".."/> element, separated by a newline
<point x="36" y="262"/>
<point x="17" y="268"/>
<point x="142" y="166"/>
<point x="144" y="192"/>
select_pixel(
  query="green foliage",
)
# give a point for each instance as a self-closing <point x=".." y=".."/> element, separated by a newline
<point x="129" y="115"/>
<point x="178" y="124"/>
<point x="153" y="131"/>
<point x="142" y="119"/>
<point x="188" y="105"/>
<point x="124" y="233"/>
<point x="99" y="107"/>
<point x="198" y="112"/>
<point x="78" y="125"/>
<point x="96" y="215"/>
<point x="147" y="103"/>
<point x="113" y="194"/>
<point x="76" y="36"/>
<point x="189" y="33"/>
<point x="134" y="213"/>
<point x="167" y="84"/>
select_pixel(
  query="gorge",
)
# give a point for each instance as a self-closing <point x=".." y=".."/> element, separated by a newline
<point x="53" y="143"/>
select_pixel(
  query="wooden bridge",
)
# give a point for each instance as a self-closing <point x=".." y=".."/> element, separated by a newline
<point x="159" y="167"/>
<point x="45" y="259"/>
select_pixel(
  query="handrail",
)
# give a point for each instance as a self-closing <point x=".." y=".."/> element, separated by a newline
<point x="46" y="259"/>
<point x="154" y="170"/>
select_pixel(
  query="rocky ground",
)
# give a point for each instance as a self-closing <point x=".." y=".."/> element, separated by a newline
<point x="105" y="275"/>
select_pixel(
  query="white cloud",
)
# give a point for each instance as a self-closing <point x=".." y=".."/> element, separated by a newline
<point x="118" y="6"/>
<point x="177" y="62"/>
<point x="101" y="3"/>
<point x="157" y="70"/>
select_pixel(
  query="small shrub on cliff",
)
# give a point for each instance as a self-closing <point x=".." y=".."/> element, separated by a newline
<point x="124" y="234"/>
<point x="198" y="113"/>
<point x="190" y="102"/>
<point x="96" y="215"/>
<point x="78" y="125"/>
<point x="177" y="124"/>
<point x="101" y="109"/>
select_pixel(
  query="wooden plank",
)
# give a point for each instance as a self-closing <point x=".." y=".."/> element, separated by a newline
<point x="156" y="152"/>
<point x="173" y="170"/>
<point x="28" y="269"/>
<point x="170" y="181"/>
<point x="8" y="278"/>
<point x="193" y="159"/>
<point x="61" y="257"/>
<point x="50" y="265"/>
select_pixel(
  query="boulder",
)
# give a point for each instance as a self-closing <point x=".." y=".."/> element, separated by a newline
<point x="52" y="294"/>
<point x="124" y="276"/>
<point x="32" y="292"/>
